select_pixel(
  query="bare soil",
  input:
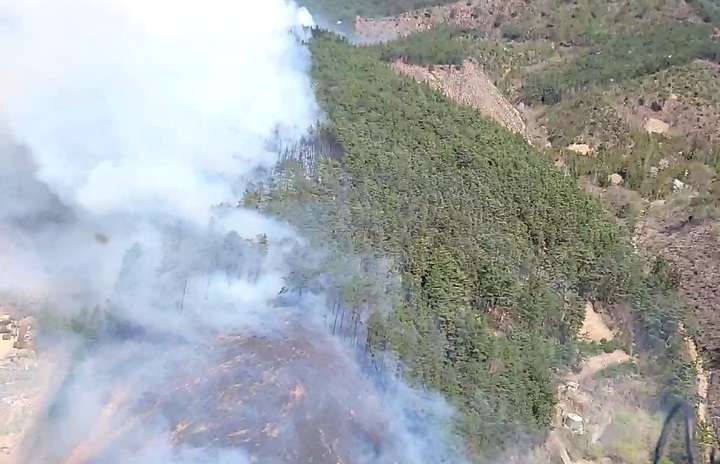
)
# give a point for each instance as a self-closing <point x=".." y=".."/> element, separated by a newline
<point x="469" y="84"/>
<point x="599" y="401"/>
<point x="594" y="328"/>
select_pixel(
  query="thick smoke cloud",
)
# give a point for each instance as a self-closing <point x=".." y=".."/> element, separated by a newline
<point x="142" y="113"/>
<point x="125" y="125"/>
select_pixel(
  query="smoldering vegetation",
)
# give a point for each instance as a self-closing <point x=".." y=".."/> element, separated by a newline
<point x="295" y="382"/>
<point x="206" y="331"/>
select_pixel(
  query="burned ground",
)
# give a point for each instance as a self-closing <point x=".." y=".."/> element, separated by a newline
<point x="296" y="397"/>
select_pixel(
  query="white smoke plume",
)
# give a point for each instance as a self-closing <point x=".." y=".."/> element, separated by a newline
<point x="136" y="119"/>
<point x="142" y="113"/>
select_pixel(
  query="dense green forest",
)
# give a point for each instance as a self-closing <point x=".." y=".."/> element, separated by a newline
<point x="496" y="250"/>
<point x="440" y="45"/>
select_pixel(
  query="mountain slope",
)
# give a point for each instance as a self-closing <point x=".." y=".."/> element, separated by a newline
<point x="626" y="94"/>
<point x="497" y="251"/>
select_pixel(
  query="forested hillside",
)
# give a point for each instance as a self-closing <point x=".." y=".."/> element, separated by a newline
<point x="346" y="10"/>
<point x="624" y="97"/>
<point x="511" y="206"/>
<point x="599" y="86"/>
<point x="496" y="249"/>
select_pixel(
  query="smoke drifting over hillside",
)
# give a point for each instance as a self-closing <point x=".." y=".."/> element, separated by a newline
<point x="137" y="118"/>
<point x="139" y="114"/>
